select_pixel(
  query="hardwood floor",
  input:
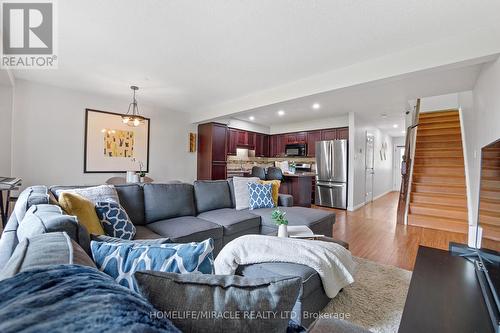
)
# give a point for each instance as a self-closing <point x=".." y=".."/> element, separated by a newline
<point x="372" y="233"/>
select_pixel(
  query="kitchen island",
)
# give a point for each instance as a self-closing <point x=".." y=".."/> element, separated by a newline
<point x="300" y="186"/>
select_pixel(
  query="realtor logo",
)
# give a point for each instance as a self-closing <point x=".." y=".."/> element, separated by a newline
<point x="28" y="35"/>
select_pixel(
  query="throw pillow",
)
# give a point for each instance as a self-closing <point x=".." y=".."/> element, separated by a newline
<point x="247" y="300"/>
<point x="115" y="220"/>
<point x="276" y="189"/>
<point x="95" y="193"/>
<point x="260" y="196"/>
<point x="55" y="248"/>
<point x="83" y="209"/>
<point x="108" y="239"/>
<point x="121" y="261"/>
<point x="241" y="194"/>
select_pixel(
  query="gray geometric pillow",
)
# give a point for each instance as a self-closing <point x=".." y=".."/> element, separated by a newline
<point x="241" y="297"/>
<point x="95" y="193"/>
<point x="55" y="248"/>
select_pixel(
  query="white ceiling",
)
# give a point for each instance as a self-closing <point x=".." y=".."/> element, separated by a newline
<point x="370" y="101"/>
<point x="190" y="55"/>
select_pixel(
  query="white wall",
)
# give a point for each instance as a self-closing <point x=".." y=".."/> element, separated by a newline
<point x="245" y="125"/>
<point x="48" y="137"/>
<point x="5" y="129"/>
<point x="310" y="125"/>
<point x="383" y="169"/>
<point x="482" y="126"/>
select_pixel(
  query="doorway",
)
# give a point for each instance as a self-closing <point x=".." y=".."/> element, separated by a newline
<point x="369" y="166"/>
<point x="399" y="152"/>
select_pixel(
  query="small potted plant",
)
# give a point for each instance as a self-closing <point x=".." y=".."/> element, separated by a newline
<point x="279" y="217"/>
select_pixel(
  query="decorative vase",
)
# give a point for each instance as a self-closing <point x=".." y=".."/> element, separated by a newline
<point x="135" y="178"/>
<point x="283" y="230"/>
<point x="141" y="179"/>
<point x="130" y="176"/>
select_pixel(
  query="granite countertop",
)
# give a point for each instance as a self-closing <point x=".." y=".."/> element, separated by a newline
<point x="300" y="174"/>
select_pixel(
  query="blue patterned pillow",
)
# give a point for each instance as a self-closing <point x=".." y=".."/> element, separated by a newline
<point x="261" y="196"/>
<point x="122" y="260"/>
<point x="115" y="220"/>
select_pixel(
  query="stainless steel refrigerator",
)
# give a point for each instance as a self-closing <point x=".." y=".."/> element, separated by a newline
<point x="331" y="174"/>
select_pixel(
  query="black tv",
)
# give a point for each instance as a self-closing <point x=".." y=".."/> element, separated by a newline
<point x="488" y="230"/>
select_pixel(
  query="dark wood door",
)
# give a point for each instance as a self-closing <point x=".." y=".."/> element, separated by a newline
<point x="219" y="147"/>
<point x="312" y="137"/>
<point x="342" y="133"/>
<point x="232" y="141"/>
<point x="329" y="134"/>
<point x="219" y="170"/>
<point x="265" y="145"/>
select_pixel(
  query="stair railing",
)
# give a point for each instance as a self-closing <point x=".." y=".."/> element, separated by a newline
<point x="407" y="168"/>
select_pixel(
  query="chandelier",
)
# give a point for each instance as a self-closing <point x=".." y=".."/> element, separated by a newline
<point x="132" y="117"/>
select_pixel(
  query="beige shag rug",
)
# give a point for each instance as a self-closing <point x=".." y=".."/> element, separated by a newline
<point x="375" y="300"/>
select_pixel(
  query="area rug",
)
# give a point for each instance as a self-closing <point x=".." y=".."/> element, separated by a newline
<point x="375" y="300"/>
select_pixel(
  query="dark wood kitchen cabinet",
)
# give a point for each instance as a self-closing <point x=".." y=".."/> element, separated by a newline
<point x="232" y="141"/>
<point x="251" y="137"/>
<point x="242" y="138"/>
<point x="212" y="151"/>
<point x="329" y="134"/>
<point x="277" y="145"/>
<point x="342" y="133"/>
<point x="312" y="137"/>
<point x="296" y="138"/>
<point x="261" y="145"/>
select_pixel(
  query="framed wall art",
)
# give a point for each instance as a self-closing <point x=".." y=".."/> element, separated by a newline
<point x="112" y="146"/>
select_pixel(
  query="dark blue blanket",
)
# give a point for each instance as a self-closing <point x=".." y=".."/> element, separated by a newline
<point x="71" y="298"/>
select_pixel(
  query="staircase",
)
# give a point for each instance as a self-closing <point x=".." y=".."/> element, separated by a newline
<point x="489" y="208"/>
<point x="438" y="198"/>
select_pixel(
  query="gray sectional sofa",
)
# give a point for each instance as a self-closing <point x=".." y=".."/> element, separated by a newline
<point x="186" y="213"/>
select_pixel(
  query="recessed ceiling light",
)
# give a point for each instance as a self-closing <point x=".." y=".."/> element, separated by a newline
<point x="395" y="126"/>
<point x="316" y="106"/>
<point x="404" y="132"/>
<point x="252" y="118"/>
<point x="383" y="115"/>
<point x="281" y="113"/>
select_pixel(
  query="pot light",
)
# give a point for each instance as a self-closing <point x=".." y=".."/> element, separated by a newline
<point x="316" y="106"/>
<point x="403" y="132"/>
<point x="251" y="118"/>
<point x="395" y="126"/>
<point x="281" y="113"/>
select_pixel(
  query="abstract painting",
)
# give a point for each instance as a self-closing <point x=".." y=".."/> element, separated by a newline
<point x="118" y="143"/>
<point x="112" y="146"/>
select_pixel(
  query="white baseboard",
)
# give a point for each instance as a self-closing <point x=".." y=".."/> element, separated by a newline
<point x="351" y="209"/>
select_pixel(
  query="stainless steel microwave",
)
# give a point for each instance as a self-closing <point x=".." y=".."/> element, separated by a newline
<point x="296" y="150"/>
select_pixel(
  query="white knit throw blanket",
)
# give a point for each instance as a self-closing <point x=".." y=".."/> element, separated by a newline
<point x="333" y="263"/>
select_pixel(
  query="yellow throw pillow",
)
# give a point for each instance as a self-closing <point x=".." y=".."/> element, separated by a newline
<point x="276" y="189"/>
<point x="83" y="209"/>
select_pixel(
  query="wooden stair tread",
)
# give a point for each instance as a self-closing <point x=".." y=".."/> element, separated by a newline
<point x="440" y="223"/>
<point x="438" y="184"/>
<point x="439" y="113"/>
<point x="440" y="206"/>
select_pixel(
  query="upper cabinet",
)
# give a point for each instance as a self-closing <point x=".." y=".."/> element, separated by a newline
<point x="312" y="137"/>
<point x="295" y="138"/>
<point x="342" y="133"/>
<point x="329" y="134"/>
<point x="261" y="145"/>
<point x="232" y="141"/>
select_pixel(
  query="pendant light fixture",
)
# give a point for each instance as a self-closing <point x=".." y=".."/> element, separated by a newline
<point x="132" y="117"/>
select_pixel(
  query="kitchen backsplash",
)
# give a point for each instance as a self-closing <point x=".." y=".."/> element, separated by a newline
<point x="246" y="163"/>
